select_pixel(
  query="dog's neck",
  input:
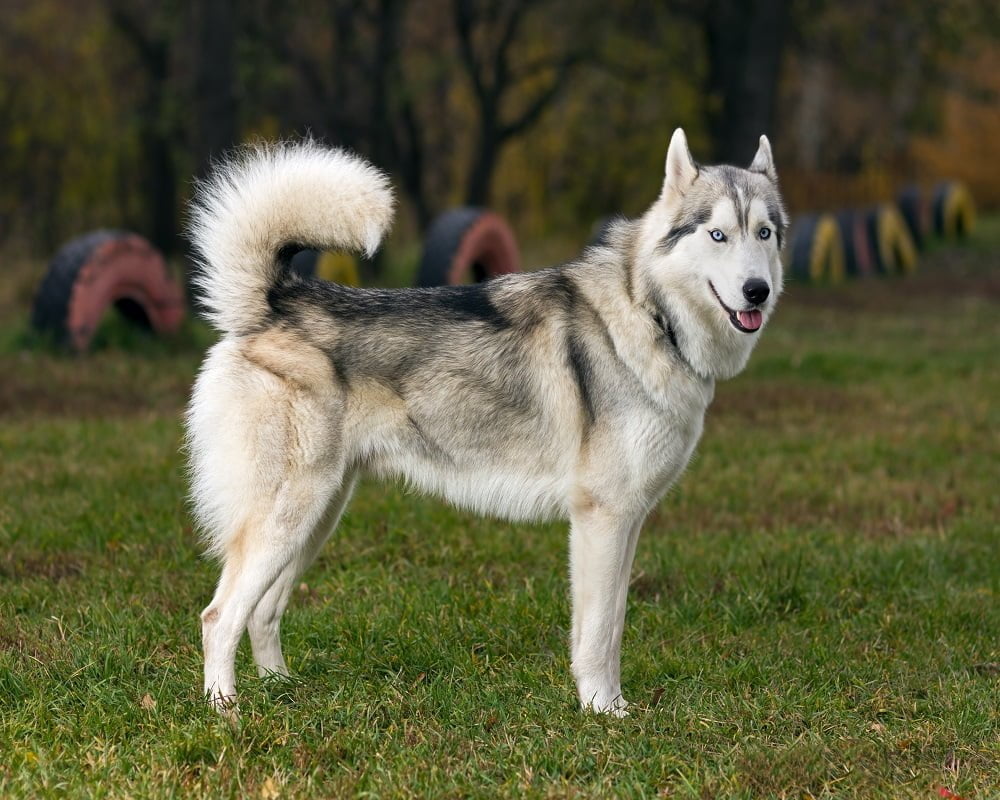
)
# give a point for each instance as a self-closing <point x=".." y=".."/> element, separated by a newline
<point x="665" y="324"/>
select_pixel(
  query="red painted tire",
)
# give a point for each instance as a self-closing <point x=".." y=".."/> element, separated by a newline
<point x="468" y="245"/>
<point x="102" y="269"/>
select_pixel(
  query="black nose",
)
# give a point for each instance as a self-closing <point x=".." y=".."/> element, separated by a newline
<point x="756" y="291"/>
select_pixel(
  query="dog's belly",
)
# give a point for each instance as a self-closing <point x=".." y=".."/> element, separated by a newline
<point x="627" y="465"/>
<point x="518" y="468"/>
<point x="498" y="490"/>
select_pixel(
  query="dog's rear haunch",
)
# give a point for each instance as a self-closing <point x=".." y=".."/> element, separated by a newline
<point x="577" y="391"/>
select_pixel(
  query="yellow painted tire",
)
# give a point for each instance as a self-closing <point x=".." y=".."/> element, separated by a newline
<point x="339" y="268"/>
<point x="893" y="247"/>
<point x="816" y="251"/>
<point x="954" y="210"/>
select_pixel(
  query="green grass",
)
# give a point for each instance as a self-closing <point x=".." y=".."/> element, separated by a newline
<point x="813" y="613"/>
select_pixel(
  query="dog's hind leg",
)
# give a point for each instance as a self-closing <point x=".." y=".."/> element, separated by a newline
<point x="265" y="621"/>
<point x="253" y="560"/>
<point x="602" y="546"/>
<point x="265" y="429"/>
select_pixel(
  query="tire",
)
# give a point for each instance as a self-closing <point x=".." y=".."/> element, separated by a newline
<point x="913" y="206"/>
<point x="953" y="210"/>
<point x="468" y="245"/>
<point x="303" y="263"/>
<point x="816" y="252"/>
<point x="339" y="268"/>
<point x="859" y="262"/>
<point x="892" y="246"/>
<point x="99" y="270"/>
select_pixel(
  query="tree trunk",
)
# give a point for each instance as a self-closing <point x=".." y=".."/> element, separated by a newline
<point x="159" y="179"/>
<point x="215" y="95"/>
<point x="161" y="187"/>
<point x="156" y="155"/>
<point x="480" y="181"/>
<point x="746" y="40"/>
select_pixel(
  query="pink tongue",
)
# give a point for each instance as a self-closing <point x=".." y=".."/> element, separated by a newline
<point x="751" y="320"/>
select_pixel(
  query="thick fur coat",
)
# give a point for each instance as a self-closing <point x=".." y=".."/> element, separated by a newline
<point x="577" y="391"/>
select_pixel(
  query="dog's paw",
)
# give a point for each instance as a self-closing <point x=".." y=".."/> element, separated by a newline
<point x="615" y="707"/>
<point x="618" y="707"/>
<point x="225" y="705"/>
<point x="604" y="700"/>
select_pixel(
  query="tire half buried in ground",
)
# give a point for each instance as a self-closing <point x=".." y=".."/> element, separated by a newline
<point x="816" y="252"/>
<point x="916" y="211"/>
<point x="331" y="266"/>
<point x="859" y="261"/>
<point x="468" y="245"/>
<point x="953" y="211"/>
<point x="892" y="245"/>
<point x="100" y="270"/>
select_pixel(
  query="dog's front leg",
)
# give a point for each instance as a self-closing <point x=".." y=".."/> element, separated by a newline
<point x="602" y="546"/>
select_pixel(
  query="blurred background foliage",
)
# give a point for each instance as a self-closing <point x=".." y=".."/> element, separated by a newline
<point x="555" y="113"/>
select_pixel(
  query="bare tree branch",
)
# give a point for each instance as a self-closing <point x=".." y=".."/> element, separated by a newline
<point x="529" y="116"/>
<point x="501" y="66"/>
<point x="462" y="13"/>
<point x="151" y="52"/>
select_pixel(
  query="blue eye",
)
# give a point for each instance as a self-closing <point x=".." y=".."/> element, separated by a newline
<point x="765" y="233"/>
<point x="717" y="235"/>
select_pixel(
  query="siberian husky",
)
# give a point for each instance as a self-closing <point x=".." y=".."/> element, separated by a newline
<point x="577" y="391"/>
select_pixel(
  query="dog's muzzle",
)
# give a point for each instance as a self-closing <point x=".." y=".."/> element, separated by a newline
<point x="744" y="321"/>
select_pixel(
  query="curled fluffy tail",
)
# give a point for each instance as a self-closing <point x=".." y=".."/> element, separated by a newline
<point x="267" y="198"/>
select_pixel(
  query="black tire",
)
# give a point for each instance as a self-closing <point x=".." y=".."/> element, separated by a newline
<point x="303" y="263"/>
<point x="801" y="246"/>
<point x="913" y="207"/>
<point x="953" y="211"/>
<point x="845" y="224"/>
<point x="467" y="244"/>
<point x="51" y="308"/>
<point x="858" y="257"/>
<point x="882" y="267"/>
<point x="892" y="246"/>
<point x="815" y="252"/>
<point x="442" y="241"/>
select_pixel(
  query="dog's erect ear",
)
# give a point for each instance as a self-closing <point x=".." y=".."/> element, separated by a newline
<point x="763" y="162"/>
<point x="681" y="169"/>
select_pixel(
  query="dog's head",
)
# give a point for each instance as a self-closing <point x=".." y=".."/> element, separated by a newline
<point x="710" y="255"/>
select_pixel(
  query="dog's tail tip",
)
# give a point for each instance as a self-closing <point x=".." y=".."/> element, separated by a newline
<point x="263" y="198"/>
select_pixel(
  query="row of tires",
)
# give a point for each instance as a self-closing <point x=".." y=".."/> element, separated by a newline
<point x="111" y="269"/>
<point x="116" y="269"/>
<point x="882" y="240"/>
<point x="463" y="245"/>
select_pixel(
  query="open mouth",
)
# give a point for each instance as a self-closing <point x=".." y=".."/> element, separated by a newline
<point x="743" y="321"/>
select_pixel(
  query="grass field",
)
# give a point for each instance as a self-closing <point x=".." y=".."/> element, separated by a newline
<point x="814" y="609"/>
